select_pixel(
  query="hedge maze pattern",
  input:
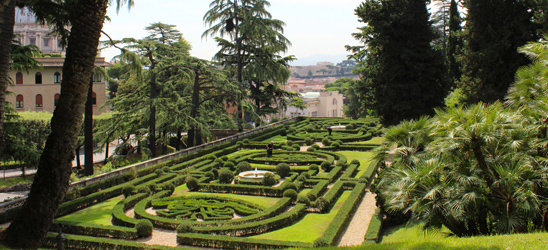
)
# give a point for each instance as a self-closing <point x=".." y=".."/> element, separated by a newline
<point x="310" y="182"/>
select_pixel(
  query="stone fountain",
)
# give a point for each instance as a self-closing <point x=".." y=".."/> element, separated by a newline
<point x="253" y="174"/>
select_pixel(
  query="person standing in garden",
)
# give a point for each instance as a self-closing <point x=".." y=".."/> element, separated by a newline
<point x="269" y="149"/>
<point x="329" y="129"/>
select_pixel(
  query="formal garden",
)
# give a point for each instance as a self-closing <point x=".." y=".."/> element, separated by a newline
<point x="232" y="195"/>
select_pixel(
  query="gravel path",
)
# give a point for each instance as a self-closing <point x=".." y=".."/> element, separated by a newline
<point x="160" y="237"/>
<point x="355" y="233"/>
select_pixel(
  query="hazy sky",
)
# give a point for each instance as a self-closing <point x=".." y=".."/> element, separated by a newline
<point x="312" y="26"/>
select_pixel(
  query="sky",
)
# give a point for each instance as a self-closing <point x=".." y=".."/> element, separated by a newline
<point x="312" y="26"/>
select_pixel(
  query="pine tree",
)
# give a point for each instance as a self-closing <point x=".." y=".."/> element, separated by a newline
<point x="494" y="31"/>
<point x="401" y="70"/>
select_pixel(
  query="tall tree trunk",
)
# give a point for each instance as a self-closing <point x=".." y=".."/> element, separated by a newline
<point x="194" y="113"/>
<point x="190" y="138"/>
<point x="240" y="66"/>
<point x="88" y="132"/>
<point x="179" y="137"/>
<point x="152" y="118"/>
<point x="7" y="20"/>
<point x="31" y="225"/>
<point x="106" y="149"/>
<point x="77" y="153"/>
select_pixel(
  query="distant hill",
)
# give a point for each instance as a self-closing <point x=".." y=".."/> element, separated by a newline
<point x="313" y="59"/>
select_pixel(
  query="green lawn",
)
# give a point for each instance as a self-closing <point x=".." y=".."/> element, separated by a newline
<point x="276" y="139"/>
<point x="12" y="181"/>
<point x="96" y="214"/>
<point x="374" y="141"/>
<point x="245" y="152"/>
<point x="259" y="200"/>
<point x="363" y="157"/>
<point x="311" y="227"/>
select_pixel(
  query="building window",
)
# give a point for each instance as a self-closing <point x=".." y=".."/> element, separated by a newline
<point x="59" y="43"/>
<point x="56" y="99"/>
<point x="19" y="78"/>
<point x="334" y="101"/>
<point x="57" y="77"/>
<point x="39" y="101"/>
<point x="314" y="114"/>
<point x="93" y="98"/>
<point x="32" y="41"/>
<point x="19" y="102"/>
<point x="38" y="78"/>
<point x="46" y="42"/>
<point x="96" y="77"/>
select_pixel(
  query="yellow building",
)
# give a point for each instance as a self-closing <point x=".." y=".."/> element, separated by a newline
<point x="39" y="89"/>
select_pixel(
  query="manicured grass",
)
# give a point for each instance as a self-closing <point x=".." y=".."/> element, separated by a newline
<point x="12" y="181"/>
<point x="259" y="200"/>
<point x="374" y="141"/>
<point x="311" y="227"/>
<point x="276" y="139"/>
<point x="96" y="214"/>
<point x="439" y="242"/>
<point x="363" y="157"/>
<point x="245" y="152"/>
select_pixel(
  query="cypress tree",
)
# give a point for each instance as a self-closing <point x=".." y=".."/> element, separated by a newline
<point x="454" y="42"/>
<point x="495" y="29"/>
<point x="402" y="72"/>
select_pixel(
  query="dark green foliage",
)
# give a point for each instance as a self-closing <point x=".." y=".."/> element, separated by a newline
<point x="314" y="167"/>
<point x="144" y="228"/>
<point x="211" y="157"/>
<point x="296" y="147"/>
<point x="290" y="143"/>
<point x="269" y="179"/>
<point x="210" y="175"/>
<point x="326" y="166"/>
<point x="192" y="184"/>
<point x="128" y="190"/>
<point x="144" y="189"/>
<point x="354" y="161"/>
<point x="303" y="199"/>
<point x="402" y="75"/>
<point x="289" y="185"/>
<point x="166" y="169"/>
<point x="326" y="141"/>
<point x="315" y="146"/>
<point x="311" y="196"/>
<point x="229" y="164"/>
<point x="495" y="30"/>
<point x="291" y="194"/>
<point x="308" y="141"/>
<point x="335" y="144"/>
<point x="185" y="227"/>
<point x="225" y="176"/>
<point x="243" y="166"/>
<point x="159" y="172"/>
<point x="283" y="170"/>
<point x="310" y="149"/>
<point x="225" y="158"/>
<point x="246" y="140"/>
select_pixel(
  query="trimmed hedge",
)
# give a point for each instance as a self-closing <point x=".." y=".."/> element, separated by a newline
<point x="80" y="228"/>
<point x="226" y="242"/>
<point x="87" y="242"/>
<point x="343" y="217"/>
<point x="374" y="231"/>
<point x="82" y="202"/>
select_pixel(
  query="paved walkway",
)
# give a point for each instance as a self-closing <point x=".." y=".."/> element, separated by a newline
<point x="355" y="233"/>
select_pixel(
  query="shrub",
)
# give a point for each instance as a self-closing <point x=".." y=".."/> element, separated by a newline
<point x="321" y="204"/>
<point x="132" y="174"/>
<point x="144" y="189"/>
<point x="215" y="172"/>
<point x="355" y="162"/>
<point x="211" y="157"/>
<point x="229" y="165"/>
<point x="239" y="144"/>
<point x="192" y="184"/>
<point x="326" y="166"/>
<point x="153" y="187"/>
<point x="210" y="175"/>
<point x="291" y="194"/>
<point x="289" y="185"/>
<point x="219" y="162"/>
<point x="290" y="143"/>
<point x="301" y="178"/>
<point x="303" y="199"/>
<point x="128" y="190"/>
<point x="310" y="149"/>
<point x="269" y="179"/>
<point x="225" y="176"/>
<point x="243" y="166"/>
<point x="335" y="144"/>
<point x="315" y="146"/>
<point x="283" y="133"/>
<point x="185" y="227"/>
<point x="341" y="163"/>
<point x="296" y="147"/>
<point x="159" y="172"/>
<point x="283" y="170"/>
<point x="144" y="228"/>
<point x="326" y="141"/>
<point x="321" y="242"/>
<point x="224" y="157"/>
<point x="246" y="140"/>
<point x="313" y="167"/>
<point x="308" y="141"/>
<point x="311" y="196"/>
<point x="168" y="186"/>
<point x="166" y="169"/>
<point x="351" y="126"/>
<point x="340" y="142"/>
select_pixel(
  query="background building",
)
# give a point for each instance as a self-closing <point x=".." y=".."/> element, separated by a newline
<point x="39" y="89"/>
<point x="319" y="104"/>
<point x="27" y="32"/>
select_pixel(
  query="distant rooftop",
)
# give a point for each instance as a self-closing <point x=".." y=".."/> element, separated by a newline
<point x="311" y="95"/>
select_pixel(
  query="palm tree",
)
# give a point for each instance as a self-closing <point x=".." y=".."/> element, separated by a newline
<point x="29" y="228"/>
<point x="7" y="21"/>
